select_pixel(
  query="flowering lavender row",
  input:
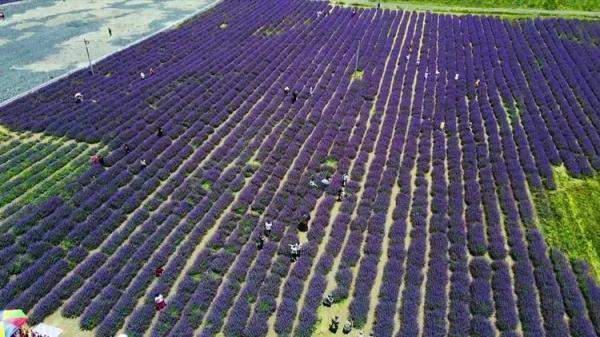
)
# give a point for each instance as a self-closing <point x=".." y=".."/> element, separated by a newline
<point x="444" y="125"/>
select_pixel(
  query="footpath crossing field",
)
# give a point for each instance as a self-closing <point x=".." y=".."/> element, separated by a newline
<point x="453" y="131"/>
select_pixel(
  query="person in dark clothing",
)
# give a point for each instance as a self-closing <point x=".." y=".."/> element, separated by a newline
<point x="268" y="228"/>
<point x="303" y="225"/>
<point x="126" y="148"/>
<point x="109" y="32"/>
<point x="335" y="324"/>
<point x="260" y="243"/>
<point x="294" y="96"/>
<point x="159" y="132"/>
<point x="159" y="271"/>
<point x="341" y="194"/>
<point x="286" y="90"/>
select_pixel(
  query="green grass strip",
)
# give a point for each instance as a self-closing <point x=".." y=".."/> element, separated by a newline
<point x="510" y="9"/>
<point x="569" y="217"/>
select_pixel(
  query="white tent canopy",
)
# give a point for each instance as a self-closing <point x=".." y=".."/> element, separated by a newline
<point x="47" y="330"/>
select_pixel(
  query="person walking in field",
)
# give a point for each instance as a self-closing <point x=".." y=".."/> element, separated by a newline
<point x="97" y="160"/>
<point x="286" y="90"/>
<point x="126" y="148"/>
<point x="348" y="326"/>
<point x="143" y="163"/>
<point x="335" y="324"/>
<point x="109" y="32"/>
<point x="345" y="178"/>
<point x="303" y="225"/>
<point x="328" y="300"/>
<point x="159" y="302"/>
<point x="295" y="248"/>
<point x="294" y="96"/>
<point x="159" y="132"/>
<point x="325" y="182"/>
<point x="159" y="271"/>
<point x="78" y="97"/>
<point x="268" y="227"/>
<point x="260" y="243"/>
<point x="341" y="195"/>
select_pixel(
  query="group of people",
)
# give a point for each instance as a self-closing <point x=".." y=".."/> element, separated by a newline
<point x="294" y="248"/>
<point x="335" y="325"/>
<point x="325" y="182"/>
<point x="26" y="331"/>
<point x="347" y="328"/>
<point x="143" y="75"/>
<point x="97" y="159"/>
<point x="335" y="322"/>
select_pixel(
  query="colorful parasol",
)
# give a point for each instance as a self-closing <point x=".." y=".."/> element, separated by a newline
<point x="14" y="317"/>
<point x="7" y="329"/>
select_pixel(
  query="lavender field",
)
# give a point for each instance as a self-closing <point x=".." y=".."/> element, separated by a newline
<point x="448" y="127"/>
